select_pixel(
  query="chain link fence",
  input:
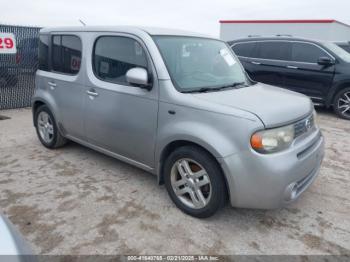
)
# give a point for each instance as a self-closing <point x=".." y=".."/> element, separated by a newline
<point x="17" y="70"/>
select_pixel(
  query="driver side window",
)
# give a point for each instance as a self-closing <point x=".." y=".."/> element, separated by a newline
<point x="307" y="53"/>
<point x="115" y="55"/>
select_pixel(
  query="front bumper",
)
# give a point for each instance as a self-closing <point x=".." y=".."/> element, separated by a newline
<point x="273" y="180"/>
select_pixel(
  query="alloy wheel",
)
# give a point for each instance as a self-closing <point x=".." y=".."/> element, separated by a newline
<point x="45" y="127"/>
<point x="344" y="104"/>
<point x="191" y="183"/>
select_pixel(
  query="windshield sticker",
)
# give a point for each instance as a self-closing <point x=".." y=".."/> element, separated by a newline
<point x="228" y="57"/>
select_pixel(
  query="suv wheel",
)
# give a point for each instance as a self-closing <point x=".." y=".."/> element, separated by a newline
<point x="46" y="128"/>
<point x="341" y="103"/>
<point x="194" y="181"/>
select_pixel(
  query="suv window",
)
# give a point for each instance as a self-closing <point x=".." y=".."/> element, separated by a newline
<point x="274" y="50"/>
<point x="244" y="49"/>
<point x="66" y="54"/>
<point x="115" y="55"/>
<point x="308" y="53"/>
<point x="44" y="52"/>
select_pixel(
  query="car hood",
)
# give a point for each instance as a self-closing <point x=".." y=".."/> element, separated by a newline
<point x="274" y="106"/>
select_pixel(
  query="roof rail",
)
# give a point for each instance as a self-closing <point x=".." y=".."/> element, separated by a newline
<point x="284" y="35"/>
<point x="254" y="35"/>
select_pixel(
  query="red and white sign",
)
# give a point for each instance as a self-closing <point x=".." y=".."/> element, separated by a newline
<point x="75" y="63"/>
<point x="7" y="43"/>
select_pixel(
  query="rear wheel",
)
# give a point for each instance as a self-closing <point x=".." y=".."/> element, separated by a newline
<point x="194" y="181"/>
<point x="46" y="128"/>
<point x="341" y="103"/>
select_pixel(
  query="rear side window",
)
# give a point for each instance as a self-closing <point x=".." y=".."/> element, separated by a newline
<point x="44" y="52"/>
<point x="308" y="53"/>
<point x="115" y="55"/>
<point x="244" y="49"/>
<point x="274" y="50"/>
<point x="66" y="54"/>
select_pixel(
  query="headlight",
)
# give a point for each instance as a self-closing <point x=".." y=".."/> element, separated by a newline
<point x="273" y="140"/>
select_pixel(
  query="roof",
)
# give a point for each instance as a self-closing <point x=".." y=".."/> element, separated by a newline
<point x="123" y="29"/>
<point x="267" y="38"/>
<point x="302" y="21"/>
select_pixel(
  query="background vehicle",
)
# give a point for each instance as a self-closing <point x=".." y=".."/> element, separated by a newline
<point x="320" y="70"/>
<point x="8" y="64"/>
<point x="344" y="45"/>
<point x="178" y="105"/>
<point x="12" y="243"/>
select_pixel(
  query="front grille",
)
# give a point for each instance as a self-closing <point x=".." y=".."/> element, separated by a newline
<point x="304" y="126"/>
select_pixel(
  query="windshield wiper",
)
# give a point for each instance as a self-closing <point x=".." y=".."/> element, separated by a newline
<point x="233" y="85"/>
<point x="213" y="89"/>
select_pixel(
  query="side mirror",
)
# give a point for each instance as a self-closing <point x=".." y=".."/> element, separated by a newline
<point x="138" y="76"/>
<point x="325" y="61"/>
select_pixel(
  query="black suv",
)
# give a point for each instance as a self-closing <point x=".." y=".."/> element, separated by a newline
<point x="320" y="70"/>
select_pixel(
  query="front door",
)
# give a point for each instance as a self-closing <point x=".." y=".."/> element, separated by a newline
<point x="304" y="75"/>
<point x="120" y="117"/>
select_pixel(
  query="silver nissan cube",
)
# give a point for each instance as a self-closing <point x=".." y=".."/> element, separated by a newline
<point x="178" y="105"/>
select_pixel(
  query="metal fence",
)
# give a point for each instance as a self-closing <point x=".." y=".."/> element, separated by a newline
<point x="17" y="71"/>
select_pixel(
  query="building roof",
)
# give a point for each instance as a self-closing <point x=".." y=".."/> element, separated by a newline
<point x="302" y="21"/>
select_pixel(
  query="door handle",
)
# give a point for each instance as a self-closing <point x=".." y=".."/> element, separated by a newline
<point x="52" y="84"/>
<point x="292" y="67"/>
<point x="256" y="63"/>
<point x="91" y="93"/>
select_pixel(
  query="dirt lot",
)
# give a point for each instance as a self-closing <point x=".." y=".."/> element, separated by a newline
<point x="76" y="201"/>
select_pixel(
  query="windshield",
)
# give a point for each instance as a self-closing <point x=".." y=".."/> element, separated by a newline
<point x="340" y="52"/>
<point x="196" y="64"/>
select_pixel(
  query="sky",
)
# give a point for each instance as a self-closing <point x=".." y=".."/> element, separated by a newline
<point x="194" y="15"/>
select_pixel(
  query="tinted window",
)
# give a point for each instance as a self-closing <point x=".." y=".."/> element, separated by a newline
<point x="244" y="49"/>
<point x="303" y="52"/>
<point x="56" y="53"/>
<point x="66" y="54"/>
<point x="274" y="50"/>
<point x="115" y="55"/>
<point x="44" y="52"/>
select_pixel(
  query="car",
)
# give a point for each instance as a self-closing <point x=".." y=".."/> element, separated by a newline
<point x="180" y="106"/>
<point x="8" y="67"/>
<point x="344" y="45"/>
<point x="12" y="243"/>
<point x="318" y="69"/>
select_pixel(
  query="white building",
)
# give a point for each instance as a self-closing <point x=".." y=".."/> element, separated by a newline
<point x="330" y="30"/>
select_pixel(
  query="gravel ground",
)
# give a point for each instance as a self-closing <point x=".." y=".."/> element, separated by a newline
<point x="77" y="201"/>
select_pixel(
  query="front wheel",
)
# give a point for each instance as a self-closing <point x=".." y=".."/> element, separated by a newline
<point x="341" y="103"/>
<point x="194" y="181"/>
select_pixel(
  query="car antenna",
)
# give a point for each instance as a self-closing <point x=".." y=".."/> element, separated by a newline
<point x="82" y="22"/>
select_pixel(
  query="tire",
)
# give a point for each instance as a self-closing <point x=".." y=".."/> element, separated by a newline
<point x="202" y="169"/>
<point x="56" y="139"/>
<point x="341" y="103"/>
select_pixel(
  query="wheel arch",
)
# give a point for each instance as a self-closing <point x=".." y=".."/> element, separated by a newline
<point x="36" y="103"/>
<point x="173" y="145"/>
<point x="335" y="91"/>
